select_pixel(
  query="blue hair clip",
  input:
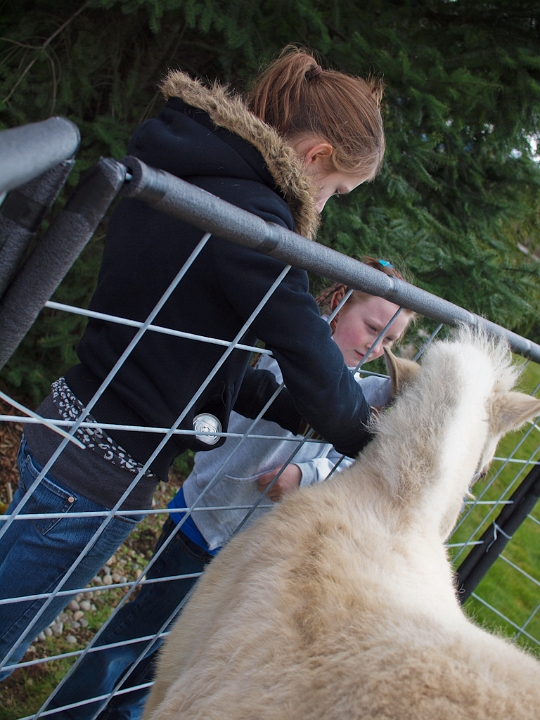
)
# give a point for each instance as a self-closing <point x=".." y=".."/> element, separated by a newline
<point x="385" y="263"/>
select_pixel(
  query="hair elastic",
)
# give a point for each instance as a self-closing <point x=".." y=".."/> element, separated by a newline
<point x="313" y="72"/>
<point x="385" y="263"/>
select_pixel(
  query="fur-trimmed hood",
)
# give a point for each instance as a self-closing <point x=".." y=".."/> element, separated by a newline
<point x="230" y="112"/>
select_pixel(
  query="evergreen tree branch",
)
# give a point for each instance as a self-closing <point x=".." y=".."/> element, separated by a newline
<point x="43" y="47"/>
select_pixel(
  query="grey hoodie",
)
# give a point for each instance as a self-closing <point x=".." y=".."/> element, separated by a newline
<point x="237" y="487"/>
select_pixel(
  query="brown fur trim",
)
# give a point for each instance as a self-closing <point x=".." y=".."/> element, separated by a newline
<point x="230" y="112"/>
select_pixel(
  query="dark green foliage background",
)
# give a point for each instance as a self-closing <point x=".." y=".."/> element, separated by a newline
<point x="459" y="189"/>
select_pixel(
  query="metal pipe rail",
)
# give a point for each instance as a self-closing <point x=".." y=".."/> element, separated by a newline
<point x="178" y="198"/>
<point x="31" y="150"/>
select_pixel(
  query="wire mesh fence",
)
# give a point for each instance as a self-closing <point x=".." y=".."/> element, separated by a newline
<point x="61" y="623"/>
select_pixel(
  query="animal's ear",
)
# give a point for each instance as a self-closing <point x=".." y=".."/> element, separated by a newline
<point x="401" y="371"/>
<point x="511" y="410"/>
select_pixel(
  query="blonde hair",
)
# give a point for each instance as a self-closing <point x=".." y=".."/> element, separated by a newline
<point x="296" y="96"/>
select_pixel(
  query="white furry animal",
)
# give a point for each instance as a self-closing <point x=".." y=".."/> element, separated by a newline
<point x="340" y="603"/>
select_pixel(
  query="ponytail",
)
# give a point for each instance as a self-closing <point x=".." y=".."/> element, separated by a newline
<point x="296" y="96"/>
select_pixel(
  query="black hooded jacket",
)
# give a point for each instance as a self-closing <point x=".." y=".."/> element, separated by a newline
<point x="145" y="249"/>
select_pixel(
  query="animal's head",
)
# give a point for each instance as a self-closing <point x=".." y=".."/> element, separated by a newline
<point x="449" y="416"/>
<point x="507" y="410"/>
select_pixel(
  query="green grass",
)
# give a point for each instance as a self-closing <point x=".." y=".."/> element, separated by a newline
<point x="25" y="691"/>
<point x="505" y="588"/>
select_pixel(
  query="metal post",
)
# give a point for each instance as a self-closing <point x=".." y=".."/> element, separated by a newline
<point x="56" y="252"/>
<point x="499" y="533"/>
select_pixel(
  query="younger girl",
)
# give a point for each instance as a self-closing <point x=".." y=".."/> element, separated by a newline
<point x="236" y="483"/>
<point x="304" y="135"/>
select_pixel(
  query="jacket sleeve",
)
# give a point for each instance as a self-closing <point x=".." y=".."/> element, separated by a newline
<point x="256" y="390"/>
<point x="317" y="470"/>
<point x="322" y="388"/>
<point x="378" y="393"/>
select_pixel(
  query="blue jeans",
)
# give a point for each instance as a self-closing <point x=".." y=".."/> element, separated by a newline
<point x="35" y="554"/>
<point x="146" y="615"/>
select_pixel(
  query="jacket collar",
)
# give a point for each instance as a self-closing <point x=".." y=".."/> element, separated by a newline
<point x="230" y="112"/>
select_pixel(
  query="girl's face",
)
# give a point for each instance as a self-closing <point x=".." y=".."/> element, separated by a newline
<point x="359" y="324"/>
<point x="317" y="156"/>
<point x="332" y="182"/>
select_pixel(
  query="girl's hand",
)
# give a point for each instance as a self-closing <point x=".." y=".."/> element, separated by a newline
<point x="287" y="481"/>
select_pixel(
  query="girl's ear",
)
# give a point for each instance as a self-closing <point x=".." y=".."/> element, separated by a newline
<point x="317" y="151"/>
<point x="337" y="297"/>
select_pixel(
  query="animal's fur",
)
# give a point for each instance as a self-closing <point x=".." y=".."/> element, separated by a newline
<point x="230" y="112"/>
<point x="340" y="603"/>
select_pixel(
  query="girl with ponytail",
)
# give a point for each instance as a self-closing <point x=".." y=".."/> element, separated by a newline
<point x="303" y="135"/>
<point x="303" y="103"/>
